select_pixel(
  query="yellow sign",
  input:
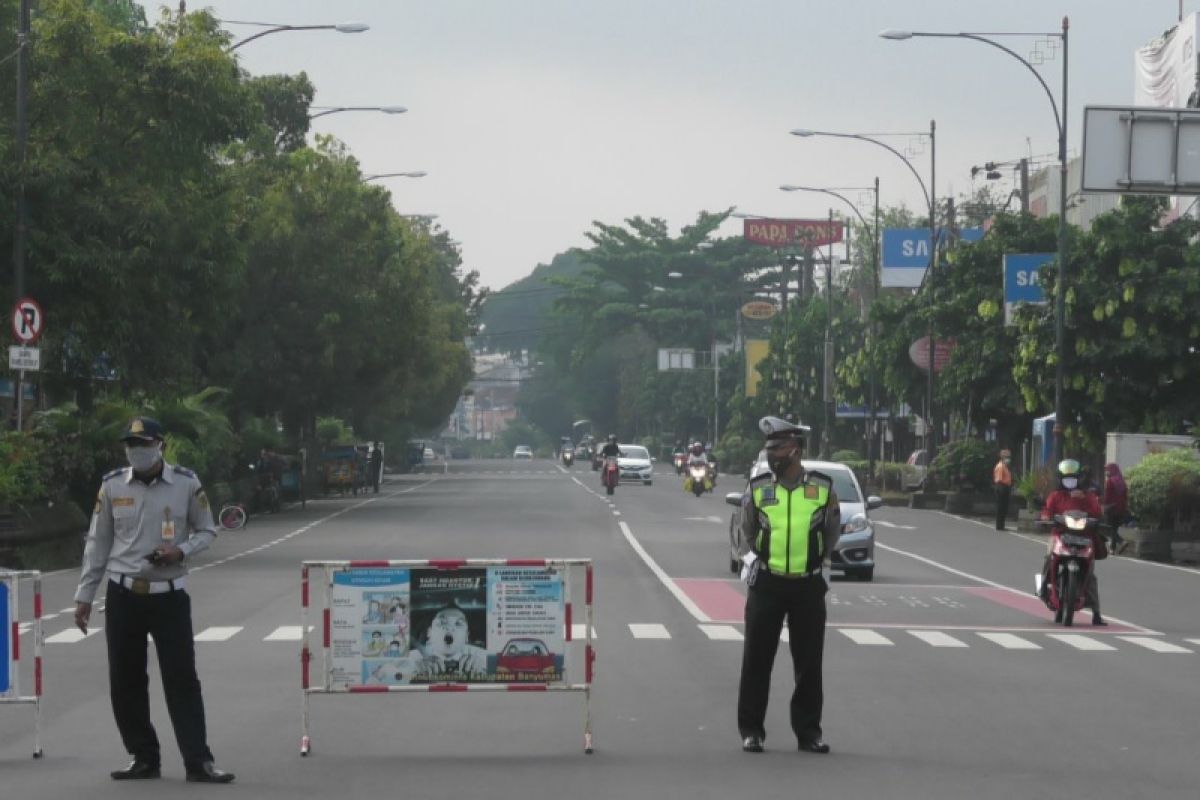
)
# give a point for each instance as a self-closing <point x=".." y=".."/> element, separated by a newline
<point x="756" y="351"/>
<point x="758" y="309"/>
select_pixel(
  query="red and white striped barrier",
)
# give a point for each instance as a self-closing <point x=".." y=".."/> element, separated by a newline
<point x="445" y="626"/>
<point x="10" y="646"/>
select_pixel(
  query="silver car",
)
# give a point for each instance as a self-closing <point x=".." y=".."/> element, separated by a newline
<point x="854" y="554"/>
<point x="635" y="463"/>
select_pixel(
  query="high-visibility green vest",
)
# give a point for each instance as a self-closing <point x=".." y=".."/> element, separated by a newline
<point x="793" y="536"/>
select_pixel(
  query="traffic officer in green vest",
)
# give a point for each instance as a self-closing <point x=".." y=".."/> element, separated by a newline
<point x="790" y="523"/>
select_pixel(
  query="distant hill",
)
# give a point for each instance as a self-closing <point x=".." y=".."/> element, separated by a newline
<point x="515" y="316"/>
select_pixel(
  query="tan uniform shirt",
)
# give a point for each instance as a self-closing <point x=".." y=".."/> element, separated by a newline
<point x="132" y="518"/>
<point x="1001" y="475"/>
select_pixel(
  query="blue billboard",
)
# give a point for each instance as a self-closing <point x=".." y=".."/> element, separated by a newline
<point x="906" y="254"/>
<point x="1021" y="280"/>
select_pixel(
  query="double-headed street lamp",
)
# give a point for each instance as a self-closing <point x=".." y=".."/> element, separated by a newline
<point x="837" y="192"/>
<point x="1060" y="121"/>
<point x="275" y="27"/>
<point x="419" y="173"/>
<point x="931" y="200"/>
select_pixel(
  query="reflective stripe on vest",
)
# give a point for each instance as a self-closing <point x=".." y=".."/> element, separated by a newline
<point x="790" y="519"/>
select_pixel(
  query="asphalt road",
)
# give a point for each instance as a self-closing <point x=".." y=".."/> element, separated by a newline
<point x="944" y="677"/>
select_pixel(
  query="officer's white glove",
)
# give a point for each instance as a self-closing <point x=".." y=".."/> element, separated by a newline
<point x="748" y="566"/>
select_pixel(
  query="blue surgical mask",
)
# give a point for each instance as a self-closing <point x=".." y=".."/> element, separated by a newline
<point x="143" y="459"/>
<point x="1070" y="483"/>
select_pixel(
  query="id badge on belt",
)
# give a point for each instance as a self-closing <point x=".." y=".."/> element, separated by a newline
<point x="168" y="526"/>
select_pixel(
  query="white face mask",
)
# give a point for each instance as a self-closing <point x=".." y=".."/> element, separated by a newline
<point x="143" y="459"/>
<point x="1070" y="483"/>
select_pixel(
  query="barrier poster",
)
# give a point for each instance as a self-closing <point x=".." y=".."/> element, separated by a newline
<point x="6" y="645"/>
<point x="400" y="626"/>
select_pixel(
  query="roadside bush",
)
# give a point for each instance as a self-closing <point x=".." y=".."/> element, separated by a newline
<point x="890" y="475"/>
<point x="1164" y="490"/>
<point x="965" y="464"/>
<point x="331" y="430"/>
<point x="736" y="453"/>
<point x="23" y="471"/>
<point x="846" y="456"/>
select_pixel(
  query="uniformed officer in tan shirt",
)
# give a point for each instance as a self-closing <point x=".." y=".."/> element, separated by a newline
<point x="149" y="518"/>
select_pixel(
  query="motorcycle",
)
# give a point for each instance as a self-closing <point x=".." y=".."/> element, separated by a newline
<point x="568" y="457"/>
<point x="611" y="475"/>
<point x="1072" y="559"/>
<point x="680" y="461"/>
<point x="698" y="481"/>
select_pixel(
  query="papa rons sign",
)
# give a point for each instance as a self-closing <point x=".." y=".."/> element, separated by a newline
<point x="787" y="232"/>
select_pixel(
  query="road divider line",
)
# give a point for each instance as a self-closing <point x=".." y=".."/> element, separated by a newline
<point x="672" y="587"/>
<point x="993" y="584"/>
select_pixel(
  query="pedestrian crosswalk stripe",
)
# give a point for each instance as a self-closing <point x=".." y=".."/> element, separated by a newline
<point x="1193" y="641"/>
<point x="722" y="633"/>
<point x="1080" y="642"/>
<point x="654" y="631"/>
<point x="579" y="631"/>
<point x="218" y="634"/>
<point x="938" y="639"/>
<point x="1157" y="645"/>
<point x="1010" y="642"/>
<point x="286" y="633"/>
<point x="71" y="635"/>
<point x="864" y="636"/>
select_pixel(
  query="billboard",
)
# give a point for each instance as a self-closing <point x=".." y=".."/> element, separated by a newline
<point x="401" y="626"/>
<point x="789" y="232"/>
<point x="906" y="254"/>
<point x="6" y="644"/>
<point x="1021" y="280"/>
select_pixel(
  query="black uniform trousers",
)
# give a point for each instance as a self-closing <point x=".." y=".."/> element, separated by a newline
<point x="1003" y="493"/>
<point x="167" y="617"/>
<point x="802" y="602"/>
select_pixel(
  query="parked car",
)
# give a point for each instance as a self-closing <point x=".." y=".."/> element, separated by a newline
<point x="428" y="454"/>
<point x="635" y="463"/>
<point x="523" y="451"/>
<point x="854" y="554"/>
<point x="915" y="470"/>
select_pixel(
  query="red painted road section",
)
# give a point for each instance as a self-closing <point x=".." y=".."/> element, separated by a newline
<point x="715" y="597"/>
<point x="1035" y="607"/>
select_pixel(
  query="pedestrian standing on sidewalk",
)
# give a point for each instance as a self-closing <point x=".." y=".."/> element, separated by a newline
<point x="1002" y="480"/>
<point x="1116" y="503"/>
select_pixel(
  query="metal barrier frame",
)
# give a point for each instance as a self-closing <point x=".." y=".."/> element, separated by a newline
<point x="329" y="568"/>
<point x="14" y="697"/>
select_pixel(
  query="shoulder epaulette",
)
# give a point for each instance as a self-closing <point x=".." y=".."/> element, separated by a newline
<point x="766" y="479"/>
<point x="819" y="477"/>
<point x="114" y="473"/>
<point x="183" y="471"/>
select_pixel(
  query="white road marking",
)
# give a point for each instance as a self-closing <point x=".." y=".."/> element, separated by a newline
<point x="654" y="631"/>
<point x="680" y="595"/>
<point x="1157" y="645"/>
<point x="722" y="633"/>
<point x="1081" y="642"/>
<point x="71" y="635"/>
<point x="938" y="639"/>
<point x="579" y="632"/>
<point x="218" y="634"/>
<point x="865" y="636"/>
<point x="286" y="633"/>
<point x="1010" y="642"/>
<point x="70" y="610"/>
<point x="1193" y="641"/>
<point x="887" y="524"/>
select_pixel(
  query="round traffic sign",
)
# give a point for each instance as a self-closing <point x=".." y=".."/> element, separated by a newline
<point x="27" y="320"/>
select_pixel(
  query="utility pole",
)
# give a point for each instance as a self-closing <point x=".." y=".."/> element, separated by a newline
<point x="22" y="137"/>
<point x="1024" y="169"/>
<point x="827" y="382"/>
<point x="871" y="332"/>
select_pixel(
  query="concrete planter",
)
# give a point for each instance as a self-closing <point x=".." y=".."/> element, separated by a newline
<point x="978" y="504"/>
<point x="42" y="537"/>
<point x="927" y="500"/>
<point x="1150" y="544"/>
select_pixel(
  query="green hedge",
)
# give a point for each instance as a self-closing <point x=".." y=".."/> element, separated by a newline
<point x="1164" y="490"/>
<point x="963" y="464"/>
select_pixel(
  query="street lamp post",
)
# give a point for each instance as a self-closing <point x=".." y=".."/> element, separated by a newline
<point x="420" y="173"/>
<point x="1060" y="121"/>
<point x="324" y="111"/>
<point x="931" y="200"/>
<point x="837" y="192"/>
<point x="274" y="27"/>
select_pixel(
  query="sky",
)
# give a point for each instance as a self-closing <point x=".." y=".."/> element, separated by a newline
<point x="535" y="118"/>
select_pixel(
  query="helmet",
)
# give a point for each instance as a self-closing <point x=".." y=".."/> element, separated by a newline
<point x="612" y="437"/>
<point x="697" y="448"/>
<point x="1069" y="473"/>
<point x="779" y="430"/>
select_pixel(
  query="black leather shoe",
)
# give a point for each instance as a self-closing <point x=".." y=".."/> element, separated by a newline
<point x="136" y="771"/>
<point x="208" y="773"/>
<point x="814" y="746"/>
<point x="752" y="744"/>
<point x="1098" y="620"/>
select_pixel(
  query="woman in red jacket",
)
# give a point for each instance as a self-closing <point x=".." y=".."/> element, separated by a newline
<point x="1071" y="496"/>
<point x="1116" y="502"/>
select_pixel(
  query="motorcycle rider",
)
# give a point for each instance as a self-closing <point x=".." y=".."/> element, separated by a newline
<point x="610" y="447"/>
<point x="1073" y="496"/>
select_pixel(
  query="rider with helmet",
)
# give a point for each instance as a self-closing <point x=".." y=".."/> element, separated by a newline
<point x="610" y="447"/>
<point x="1072" y="495"/>
<point x="697" y="455"/>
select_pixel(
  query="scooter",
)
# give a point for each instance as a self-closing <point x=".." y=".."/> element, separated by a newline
<point x="568" y="457"/>
<point x="1072" y="559"/>
<point x="680" y="460"/>
<point x="611" y="475"/>
<point x="697" y="481"/>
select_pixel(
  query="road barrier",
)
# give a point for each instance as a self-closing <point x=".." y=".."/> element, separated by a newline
<point x="10" y="647"/>
<point x="479" y="625"/>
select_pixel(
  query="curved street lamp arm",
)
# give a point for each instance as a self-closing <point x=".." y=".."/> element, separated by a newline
<point x="280" y="28"/>
<point x="893" y="151"/>
<point x="1014" y="54"/>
